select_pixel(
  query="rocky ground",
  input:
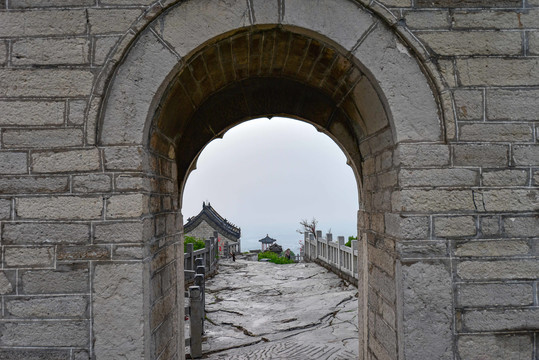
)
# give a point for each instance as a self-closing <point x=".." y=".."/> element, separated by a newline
<point x="261" y="310"/>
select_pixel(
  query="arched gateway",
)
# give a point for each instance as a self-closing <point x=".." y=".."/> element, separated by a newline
<point x="202" y="67"/>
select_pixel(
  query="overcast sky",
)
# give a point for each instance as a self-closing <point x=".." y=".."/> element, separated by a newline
<point x="265" y="176"/>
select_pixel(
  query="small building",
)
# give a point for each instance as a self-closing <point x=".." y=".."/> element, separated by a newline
<point x="207" y="222"/>
<point x="266" y="242"/>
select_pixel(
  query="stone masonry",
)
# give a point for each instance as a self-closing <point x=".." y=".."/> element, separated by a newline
<point x="105" y="105"/>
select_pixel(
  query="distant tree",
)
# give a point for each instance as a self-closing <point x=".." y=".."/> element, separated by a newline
<point x="349" y="242"/>
<point x="308" y="227"/>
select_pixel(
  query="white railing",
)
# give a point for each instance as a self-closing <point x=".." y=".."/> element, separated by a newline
<point x="338" y="257"/>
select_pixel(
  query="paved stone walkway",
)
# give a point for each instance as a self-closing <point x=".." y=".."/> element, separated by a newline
<point x="267" y="311"/>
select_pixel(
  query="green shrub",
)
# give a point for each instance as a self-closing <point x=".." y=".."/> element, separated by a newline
<point x="349" y="242"/>
<point x="197" y="243"/>
<point x="274" y="258"/>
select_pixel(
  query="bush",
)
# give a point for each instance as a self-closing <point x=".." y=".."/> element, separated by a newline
<point x="349" y="242"/>
<point x="197" y="243"/>
<point x="274" y="258"/>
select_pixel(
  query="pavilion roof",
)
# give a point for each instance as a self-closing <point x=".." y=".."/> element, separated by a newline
<point x="267" y="240"/>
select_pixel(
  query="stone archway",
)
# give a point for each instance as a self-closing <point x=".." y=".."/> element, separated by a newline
<point x="205" y="66"/>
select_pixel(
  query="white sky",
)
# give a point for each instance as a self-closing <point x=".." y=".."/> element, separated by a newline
<point x="265" y="176"/>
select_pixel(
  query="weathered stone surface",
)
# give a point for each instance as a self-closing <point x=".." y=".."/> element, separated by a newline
<point x="521" y="226"/>
<point x="469" y="104"/>
<point x="468" y="3"/>
<point x="496" y="294"/>
<point x="427" y="311"/>
<point x="57" y="307"/>
<point x="131" y="182"/>
<point x="421" y="155"/>
<point x="422" y="249"/>
<point x="496" y="132"/>
<point x="33" y="184"/>
<point x="24" y="4"/>
<point x="124" y="158"/>
<point x="5" y="285"/>
<point x="45" y="233"/>
<point x="427" y="19"/>
<point x="13" y="163"/>
<point x="64" y="207"/>
<point x="499" y="320"/>
<point x="490" y="226"/>
<point x="34" y="354"/>
<point x="65" y="161"/>
<point x="128" y="252"/>
<point x="507" y="347"/>
<point x="5" y="209"/>
<point x="106" y="21"/>
<point x="57" y="138"/>
<point x="42" y="23"/>
<point x="31" y="113"/>
<point x="45" y="82"/>
<point x="50" y="333"/>
<point x="526" y="154"/>
<point x="103" y="46"/>
<point x="510" y="200"/>
<point x="493" y="248"/>
<point x="472" y="43"/>
<point x="455" y="226"/>
<point x="92" y="183"/>
<point x="3" y="51"/>
<point x="429" y="200"/>
<point x="40" y="257"/>
<point x="438" y="177"/>
<point x="406" y="227"/>
<point x="122" y="232"/>
<point x="149" y="62"/>
<point x="533" y="43"/>
<point x="494" y="155"/>
<point x="495" y="19"/>
<point x="64" y="280"/>
<point x="503" y="269"/>
<point x="498" y="71"/>
<point x="505" y="178"/>
<point x="126" y="206"/>
<point x="43" y="51"/>
<point x="519" y="104"/>
<point x="118" y="311"/>
<point x="91" y="252"/>
<point x="76" y="112"/>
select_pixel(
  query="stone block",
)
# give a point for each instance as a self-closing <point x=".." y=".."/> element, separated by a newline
<point x="507" y="347"/>
<point x="3" y="51"/>
<point x="496" y="19"/>
<point x="118" y="311"/>
<point x="127" y="252"/>
<point x="127" y="206"/>
<point x="13" y="162"/>
<point x="495" y="294"/>
<point x="66" y="279"/>
<point x="45" y="334"/>
<point x="427" y="20"/>
<point x="521" y="226"/>
<point x="127" y="2"/>
<point x="44" y="233"/>
<point x="57" y="138"/>
<point x="427" y="311"/>
<point x="35" y="354"/>
<point x="33" y="184"/>
<point x="493" y="248"/>
<point x="102" y="48"/>
<point x="455" y="226"/>
<point x="490" y="226"/>
<point x="505" y="177"/>
<point x="526" y="155"/>
<point x="45" y="82"/>
<point x="447" y="72"/>
<point x="517" y="104"/>
<point x="76" y="112"/>
<point x="59" y="207"/>
<point x="266" y="12"/>
<point x="42" y="23"/>
<point x="468" y="3"/>
<point x="5" y="209"/>
<point x="124" y="158"/>
<point x="7" y="285"/>
<point x="502" y="269"/>
<point x="75" y="253"/>
<point x="107" y="21"/>
<point x="533" y="43"/>
<point x="128" y="182"/>
<point x="66" y="161"/>
<point x="421" y="155"/>
<point x="438" y="177"/>
<point x="25" y="4"/>
<point x="57" y="307"/>
<point x="493" y="155"/>
<point x="498" y="71"/>
<point x="51" y="51"/>
<point x="422" y="249"/>
<point x="429" y="200"/>
<point x="501" y="320"/>
<point x="123" y="232"/>
<point x="469" y="104"/>
<point x="451" y="43"/>
<point x="495" y="132"/>
<point x="32" y="113"/>
<point x="407" y="227"/>
<point x="36" y="257"/>
<point x="509" y="200"/>
<point x="92" y="183"/>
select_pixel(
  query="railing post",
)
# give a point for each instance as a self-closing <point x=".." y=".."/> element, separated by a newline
<point x="195" y="297"/>
<point x="354" y="262"/>
<point x="329" y="254"/>
<point x="313" y="242"/>
<point x="306" y="246"/>
<point x="319" y="246"/>
<point x="207" y="254"/>
<point x="340" y="240"/>
<point x="199" y="281"/>
<point x="189" y="250"/>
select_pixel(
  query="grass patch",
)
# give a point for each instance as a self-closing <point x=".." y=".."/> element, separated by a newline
<point x="274" y="258"/>
<point x="197" y="243"/>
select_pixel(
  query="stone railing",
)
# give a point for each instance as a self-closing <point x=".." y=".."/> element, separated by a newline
<point x="209" y="257"/>
<point x="334" y="256"/>
<point x="195" y="310"/>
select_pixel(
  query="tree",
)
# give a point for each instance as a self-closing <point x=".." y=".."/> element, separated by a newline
<point x="308" y="227"/>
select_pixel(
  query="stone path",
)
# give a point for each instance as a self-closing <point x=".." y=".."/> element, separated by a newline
<point x="266" y="311"/>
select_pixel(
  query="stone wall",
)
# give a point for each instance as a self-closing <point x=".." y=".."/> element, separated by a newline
<point x="205" y="231"/>
<point x="94" y="156"/>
